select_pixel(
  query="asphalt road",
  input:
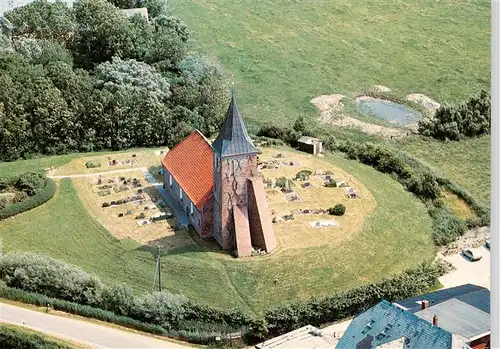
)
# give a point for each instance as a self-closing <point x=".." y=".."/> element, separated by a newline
<point x="87" y="333"/>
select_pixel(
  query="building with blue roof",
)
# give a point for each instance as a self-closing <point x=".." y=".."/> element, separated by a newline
<point x="388" y="326"/>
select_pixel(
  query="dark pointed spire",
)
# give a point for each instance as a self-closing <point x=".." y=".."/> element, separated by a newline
<point x="233" y="138"/>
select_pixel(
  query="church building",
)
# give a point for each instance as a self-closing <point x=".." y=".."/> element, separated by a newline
<point x="220" y="188"/>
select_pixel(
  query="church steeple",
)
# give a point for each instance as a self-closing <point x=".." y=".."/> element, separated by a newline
<point x="233" y="138"/>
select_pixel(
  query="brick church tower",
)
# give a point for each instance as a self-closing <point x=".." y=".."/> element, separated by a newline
<point x="240" y="208"/>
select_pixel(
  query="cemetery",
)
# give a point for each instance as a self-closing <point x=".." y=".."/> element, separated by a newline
<point x="302" y="189"/>
<point x="129" y="206"/>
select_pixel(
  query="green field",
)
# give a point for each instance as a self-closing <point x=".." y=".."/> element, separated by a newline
<point x="466" y="162"/>
<point x="283" y="53"/>
<point x="63" y="229"/>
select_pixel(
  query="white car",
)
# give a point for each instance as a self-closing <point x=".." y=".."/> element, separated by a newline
<point x="471" y="255"/>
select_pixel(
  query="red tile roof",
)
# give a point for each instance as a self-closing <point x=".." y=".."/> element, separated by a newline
<point x="191" y="164"/>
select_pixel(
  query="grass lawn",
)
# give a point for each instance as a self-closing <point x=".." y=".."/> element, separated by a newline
<point x="69" y="163"/>
<point x="284" y="53"/>
<point x="466" y="162"/>
<point x="33" y="339"/>
<point x="63" y="229"/>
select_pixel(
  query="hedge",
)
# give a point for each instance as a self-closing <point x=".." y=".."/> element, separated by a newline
<point x="20" y="338"/>
<point x="342" y="305"/>
<point x="31" y="202"/>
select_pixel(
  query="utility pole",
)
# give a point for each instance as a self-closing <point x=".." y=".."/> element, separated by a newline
<point x="157" y="271"/>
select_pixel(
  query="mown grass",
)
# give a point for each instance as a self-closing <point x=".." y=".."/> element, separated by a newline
<point x="22" y="337"/>
<point x="283" y="53"/>
<point x="396" y="236"/>
<point x="466" y="162"/>
<point x="15" y="167"/>
<point x="63" y="229"/>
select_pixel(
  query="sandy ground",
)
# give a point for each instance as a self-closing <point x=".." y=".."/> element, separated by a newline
<point x="330" y="111"/>
<point x="477" y="273"/>
<point x="430" y="105"/>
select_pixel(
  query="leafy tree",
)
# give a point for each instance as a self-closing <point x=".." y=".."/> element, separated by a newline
<point x="5" y="36"/>
<point x="102" y="31"/>
<point x="120" y="74"/>
<point x="202" y="87"/>
<point x="300" y="125"/>
<point x="465" y="120"/>
<point x="41" y="19"/>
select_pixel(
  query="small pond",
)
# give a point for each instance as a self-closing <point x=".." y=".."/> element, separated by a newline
<point x="393" y="113"/>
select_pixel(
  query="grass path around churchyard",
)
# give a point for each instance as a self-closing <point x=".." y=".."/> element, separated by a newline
<point x="281" y="53"/>
<point x="397" y="235"/>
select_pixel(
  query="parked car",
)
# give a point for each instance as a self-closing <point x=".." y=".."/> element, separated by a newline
<point x="472" y="256"/>
<point x="487" y="243"/>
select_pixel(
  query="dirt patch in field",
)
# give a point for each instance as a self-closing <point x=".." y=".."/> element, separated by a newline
<point x="328" y="105"/>
<point x="330" y="111"/>
<point x="381" y="88"/>
<point x="430" y="105"/>
<point x="366" y="127"/>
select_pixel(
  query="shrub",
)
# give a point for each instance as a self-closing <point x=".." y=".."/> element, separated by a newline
<point x="30" y="182"/>
<point x="38" y="199"/>
<point x="106" y="204"/>
<point x="465" y="120"/>
<point x="19" y="196"/>
<point x="37" y="273"/>
<point x="162" y="308"/>
<point x="92" y="164"/>
<point x="303" y="175"/>
<point x="119" y="299"/>
<point x="445" y="226"/>
<point x="341" y="305"/>
<point x="78" y="309"/>
<point x="337" y="210"/>
<point x="331" y="184"/>
<point x="283" y="133"/>
<point x="283" y="182"/>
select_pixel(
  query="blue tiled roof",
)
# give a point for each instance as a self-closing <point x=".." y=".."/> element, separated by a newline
<point x="385" y="323"/>
<point x="233" y="138"/>
<point x="476" y="296"/>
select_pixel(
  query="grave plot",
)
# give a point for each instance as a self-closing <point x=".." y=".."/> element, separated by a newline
<point x="299" y="197"/>
<point x="131" y="208"/>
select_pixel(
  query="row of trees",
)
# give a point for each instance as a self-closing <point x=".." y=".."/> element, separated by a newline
<point x="90" y="78"/>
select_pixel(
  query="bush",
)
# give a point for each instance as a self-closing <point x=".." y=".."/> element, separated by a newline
<point x="30" y="182"/>
<point x="283" y="182"/>
<point x="303" y="175"/>
<point x="31" y="202"/>
<point x="162" y="308"/>
<point x="331" y="184"/>
<point x="19" y="338"/>
<point x="118" y="299"/>
<point x="337" y="210"/>
<point x="445" y="226"/>
<point x="341" y="305"/>
<point x="78" y="309"/>
<point x="92" y="164"/>
<point x="283" y="133"/>
<point x="455" y="122"/>
<point x="37" y="273"/>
